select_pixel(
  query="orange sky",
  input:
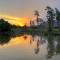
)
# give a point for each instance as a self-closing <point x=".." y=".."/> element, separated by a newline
<point x="16" y="20"/>
<point x="23" y="8"/>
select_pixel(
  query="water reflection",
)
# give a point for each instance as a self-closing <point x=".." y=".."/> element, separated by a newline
<point x="50" y="48"/>
<point x="36" y="38"/>
<point x="4" y="38"/>
<point x="53" y="46"/>
<point x="53" y="42"/>
<point x="58" y="45"/>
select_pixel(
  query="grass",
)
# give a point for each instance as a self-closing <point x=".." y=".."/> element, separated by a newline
<point x="43" y="31"/>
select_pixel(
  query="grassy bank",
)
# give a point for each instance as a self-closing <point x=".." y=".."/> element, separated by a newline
<point x="42" y="31"/>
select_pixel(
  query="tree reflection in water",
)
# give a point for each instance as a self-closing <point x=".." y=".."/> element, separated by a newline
<point x="38" y="39"/>
<point x="58" y="45"/>
<point x="50" y="47"/>
<point x="39" y="42"/>
<point x="53" y="46"/>
<point x="37" y="47"/>
<point x="4" y="38"/>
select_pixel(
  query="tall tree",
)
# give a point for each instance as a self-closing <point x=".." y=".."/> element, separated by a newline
<point x="37" y="16"/>
<point x="58" y="17"/>
<point x="50" y="18"/>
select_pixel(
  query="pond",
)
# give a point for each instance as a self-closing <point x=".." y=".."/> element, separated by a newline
<point x="30" y="47"/>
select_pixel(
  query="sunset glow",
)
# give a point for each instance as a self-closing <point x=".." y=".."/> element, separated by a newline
<point x="18" y="41"/>
<point x="16" y="20"/>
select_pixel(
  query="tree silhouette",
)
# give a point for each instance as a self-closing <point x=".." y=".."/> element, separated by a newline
<point x="50" y="18"/>
<point x="4" y="26"/>
<point x="58" y="17"/>
<point x="30" y="23"/>
<point x="37" y="16"/>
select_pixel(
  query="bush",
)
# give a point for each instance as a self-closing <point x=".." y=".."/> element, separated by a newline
<point x="4" y="26"/>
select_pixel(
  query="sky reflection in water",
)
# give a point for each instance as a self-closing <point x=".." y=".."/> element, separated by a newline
<point x="28" y="47"/>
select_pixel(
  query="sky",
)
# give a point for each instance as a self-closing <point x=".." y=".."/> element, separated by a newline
<point x="22" y="10"/>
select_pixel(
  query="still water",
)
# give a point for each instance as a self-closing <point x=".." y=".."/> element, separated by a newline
<point x="29" y="47"/>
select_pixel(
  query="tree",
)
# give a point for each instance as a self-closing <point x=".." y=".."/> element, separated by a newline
<point x="50" y="18"/>
<point x="4" y="26"/>
<point x="58" y="17"/>
<point x="37" y="15"/>
<point x="30" y="23"/>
